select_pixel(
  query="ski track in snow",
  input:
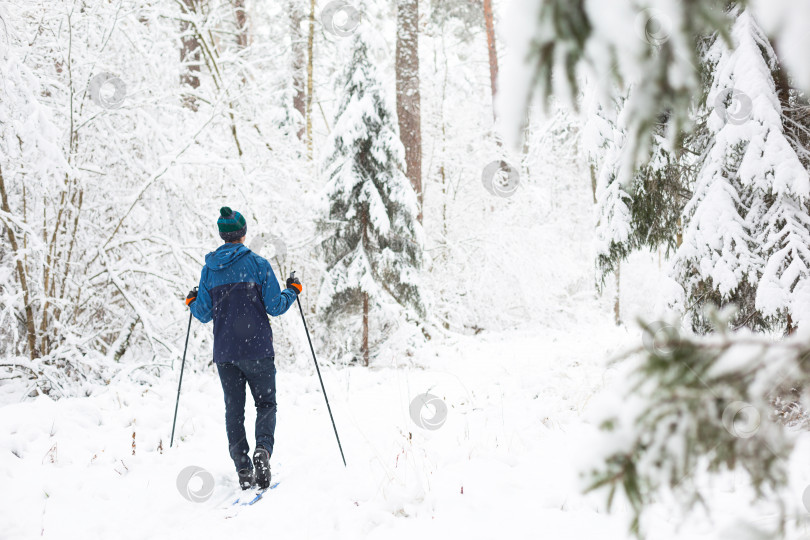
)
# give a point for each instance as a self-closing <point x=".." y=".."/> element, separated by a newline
<point x="514" y="439"/>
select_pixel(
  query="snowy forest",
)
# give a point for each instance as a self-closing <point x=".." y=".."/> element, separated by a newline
<point x="554" y="265"/>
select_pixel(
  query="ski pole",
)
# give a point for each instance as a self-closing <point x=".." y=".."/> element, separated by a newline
<point x="182" y="367"/>
<point x="311" y="348"/>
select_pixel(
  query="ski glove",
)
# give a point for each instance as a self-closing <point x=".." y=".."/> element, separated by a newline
<point x="293" y="283"/>
<point x="191" y="296"/>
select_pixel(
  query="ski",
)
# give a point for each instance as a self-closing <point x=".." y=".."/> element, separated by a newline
<point x="256" y="497"/>
<point x="249" y="498"/>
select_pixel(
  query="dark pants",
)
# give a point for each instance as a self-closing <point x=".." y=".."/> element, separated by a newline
<point x="260" y="375"/>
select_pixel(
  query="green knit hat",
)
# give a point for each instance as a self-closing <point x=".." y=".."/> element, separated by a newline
<point x="232" y="226"/>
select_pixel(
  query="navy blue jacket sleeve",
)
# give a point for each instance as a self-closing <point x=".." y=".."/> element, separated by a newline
<point x="276" y="301"/>
<point x="202" y="307"/>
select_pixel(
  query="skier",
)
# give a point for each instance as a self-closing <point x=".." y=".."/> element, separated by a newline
<point x="237" y="290"/>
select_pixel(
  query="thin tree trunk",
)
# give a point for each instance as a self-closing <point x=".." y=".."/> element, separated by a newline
<point x="52" y="258"/>
<point x="49" y="261"/>
<point x="58" y="257"/>
<point x="801" y="137"/>
<point x="442" y="170"/>
<point x="241" y="23"/>
<point x="443" y="174"/>
<point x="617" y="312"/>
<point x="526" y="130"/>
<point x="365" y="329"/>
<point x="679" y="234"/>
<point x="364" y="220"/>
<point x="190" y="56"/>
<point x="211" y="55"/>
<point x="310" y="59"/>
<point x="31" y="332"/>
<point x="68" y="266"/>
<point x="408" y="95"/>
<point x="493" y="53"/>
<point x="790" y="328"/>
<point x="299" y="62"/>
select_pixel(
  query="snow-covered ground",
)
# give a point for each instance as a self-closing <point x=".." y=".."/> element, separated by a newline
<point x="514" y="424"/>
<point x="503" y="465"/>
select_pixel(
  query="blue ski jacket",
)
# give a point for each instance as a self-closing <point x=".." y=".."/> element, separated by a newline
<point x="237" y="290"/>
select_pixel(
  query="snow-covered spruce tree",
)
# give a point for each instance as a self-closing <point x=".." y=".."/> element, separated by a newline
<point x="641" y="208"/>
<point x="748" y="231"/>
<point x="688" y="406"/>
<point x="661" y="65"/>
<point x="643" y="212"/>
<point x="656" y="161"/>
<point x="373" y="248"/>
<point x="613" y="227"/>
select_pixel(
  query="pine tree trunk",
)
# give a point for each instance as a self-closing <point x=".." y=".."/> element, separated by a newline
<point x="617" y="312"/>
<point x="527" y="135"/>
<point x="493" y="53"/>
<point x="365" y="329"/>
<point x="310" y="58"/>
<point x="789" y="326"/>
<point x="679" y="234"/>
<point x="299" y="62"/>
<point x="442" y="168"/>
<point x="190" y="56"/>
<point x="31" y="333"/>
<point x="408" y="95"/>
<point x="241" y="23"/>
<point x="443" y="171"/>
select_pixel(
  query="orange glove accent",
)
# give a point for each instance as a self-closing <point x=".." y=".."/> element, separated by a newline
<point x="293" y="283"/>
